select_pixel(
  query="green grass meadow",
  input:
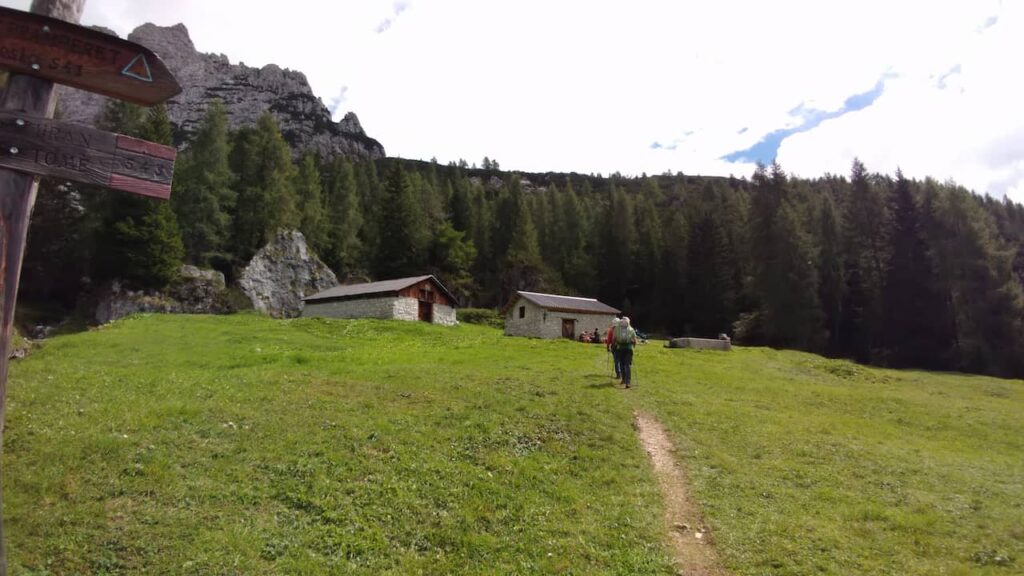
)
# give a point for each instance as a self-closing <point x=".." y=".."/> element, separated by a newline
<point x="245" y="445"/>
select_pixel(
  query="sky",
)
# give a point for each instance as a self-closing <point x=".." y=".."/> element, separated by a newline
<point x="934" y="88"/>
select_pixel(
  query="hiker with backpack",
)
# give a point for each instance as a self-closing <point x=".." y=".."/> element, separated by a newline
<point x="609" y="342"/>
<point x="624" y="339"/>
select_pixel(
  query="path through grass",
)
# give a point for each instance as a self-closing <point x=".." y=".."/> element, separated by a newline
<point x="244" y="445"/>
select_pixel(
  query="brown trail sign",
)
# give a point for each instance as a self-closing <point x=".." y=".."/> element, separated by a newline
<point x="48" y="49"/>
<point x="78" y="153"/>
<point x="88" y="59"/>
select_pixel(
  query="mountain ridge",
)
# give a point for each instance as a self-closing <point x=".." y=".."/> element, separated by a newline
<point x="247" y="93"/>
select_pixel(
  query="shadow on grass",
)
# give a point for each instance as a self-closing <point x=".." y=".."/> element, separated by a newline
<point x="597" y="382"/>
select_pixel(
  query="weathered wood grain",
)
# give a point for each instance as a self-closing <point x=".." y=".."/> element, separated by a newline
<point x="84" y="58"/>
<point x="82" y="154"/>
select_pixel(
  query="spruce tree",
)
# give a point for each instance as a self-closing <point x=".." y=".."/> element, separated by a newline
<point x="401" y="247"/>
<point x="344" y="219"/>
<point x="710" y="294"/>
<point x="784" y="272"/>
<point x="266" y="187"/>
<point x="831" y="280"/>
<point x="203" y="197"/>
<point x="864" y="218"/>
<point x="139" y="241"/>
<point x="308" y="189"/>
<point x="618" y="245"/>
<point x="916" y="318"/>
<point x="977" y="281"/>
<point x="453" y="256"/>
<point x="522" y="266"/>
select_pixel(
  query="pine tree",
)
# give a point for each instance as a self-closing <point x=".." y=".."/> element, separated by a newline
<point x="139" y="241"/>
<point x="864" y="216"/>
<point x="344" y="219"/>
<point x="401" y="249"/>
<point x="618" y="235"/>
<point x="266" y="192"/>
<point x="648" y="254"/>
<point x="308" y="189"/>
<point x="709" y="282"/>
<point x="831" y="281"/>
<point x="977" y="281"/>
<point x="203" y="198"/>
<point x="459" y="206"/>
<point x="917" y="320"/>
<point x="673" y="295"/>
<point x="453" y="255"/>
<point x="522" y="266"/>
<point x="577" y="269"/>
<point x="784" y="272"/>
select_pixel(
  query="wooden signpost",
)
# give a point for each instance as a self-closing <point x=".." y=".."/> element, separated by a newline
<point x="82" y="154"/>
<point x="88" y="59"/>
<point x="38" y="49"/>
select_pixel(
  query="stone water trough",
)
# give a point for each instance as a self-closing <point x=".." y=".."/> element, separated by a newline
<point x="700" y="344"/>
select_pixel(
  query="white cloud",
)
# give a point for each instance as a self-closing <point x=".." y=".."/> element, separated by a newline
<point x="966" y="128"/>
<point x="588" y="86"/>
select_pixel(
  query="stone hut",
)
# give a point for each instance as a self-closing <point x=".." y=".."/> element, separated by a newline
<point x="551" y="316"/>
<point x="417" y="298"/>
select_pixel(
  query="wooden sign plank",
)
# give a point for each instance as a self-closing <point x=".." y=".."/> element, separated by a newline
<point x="82" y="154"/>
<point x="78" y="56"/>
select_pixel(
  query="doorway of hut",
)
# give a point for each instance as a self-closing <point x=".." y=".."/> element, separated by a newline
<point x="426" y="311"/>
<point x="568" y="328"/>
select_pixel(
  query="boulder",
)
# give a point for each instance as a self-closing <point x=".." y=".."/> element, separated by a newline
<point x="115" y="302"/>
<point x="200" y="291"/>
<point x="700" y="344"/>
<point x="282" y="273"/>
<point x="195" y="291"/>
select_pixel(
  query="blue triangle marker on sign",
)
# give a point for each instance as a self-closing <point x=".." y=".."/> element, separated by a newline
<point x="138" y="68"/>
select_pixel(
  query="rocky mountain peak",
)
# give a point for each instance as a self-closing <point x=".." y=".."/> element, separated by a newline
<point x="247" y="93"/>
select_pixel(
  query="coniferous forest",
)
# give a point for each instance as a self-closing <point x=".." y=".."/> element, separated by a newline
<point x="876" y="267"/>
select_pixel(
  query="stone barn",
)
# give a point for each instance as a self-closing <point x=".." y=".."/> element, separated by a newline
<point x="550" y="316"/>
<point x="418" y="298"/>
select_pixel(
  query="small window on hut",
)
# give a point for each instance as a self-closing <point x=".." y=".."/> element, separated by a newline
<point x="522" y="311"/>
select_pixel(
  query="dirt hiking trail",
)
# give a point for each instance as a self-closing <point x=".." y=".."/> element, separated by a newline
<point x="692" y="544"/>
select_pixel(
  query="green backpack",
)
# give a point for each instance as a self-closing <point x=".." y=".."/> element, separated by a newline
<point x="623" y="336"/>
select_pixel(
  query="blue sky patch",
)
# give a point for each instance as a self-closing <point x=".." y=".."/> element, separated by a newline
<point x="767" y="148"/>
<point x="941" y="83"/>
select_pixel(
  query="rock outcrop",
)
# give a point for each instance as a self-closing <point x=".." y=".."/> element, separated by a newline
<point x="282" y="273"/>
<point x="194" y="292"/>
<point x="246" y="92"/>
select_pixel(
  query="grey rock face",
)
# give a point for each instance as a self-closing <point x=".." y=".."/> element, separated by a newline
<point x="116" y="302"/>
<point x="246" y="92"/>
<point x="282" y="273"/>
<point x="196" y="291"/>
<point x="200" y="291"/>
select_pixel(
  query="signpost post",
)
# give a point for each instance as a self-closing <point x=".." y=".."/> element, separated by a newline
<point x="40" y="48"/>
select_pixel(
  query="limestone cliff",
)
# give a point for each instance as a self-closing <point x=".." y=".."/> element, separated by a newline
<point x="246" y="92"/>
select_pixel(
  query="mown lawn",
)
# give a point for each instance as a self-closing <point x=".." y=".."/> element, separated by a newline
<point x="244" y="445"/>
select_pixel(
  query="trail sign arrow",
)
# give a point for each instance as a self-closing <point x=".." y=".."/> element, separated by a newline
<point x="82" y="154"/>
<point x="84" y="58"/>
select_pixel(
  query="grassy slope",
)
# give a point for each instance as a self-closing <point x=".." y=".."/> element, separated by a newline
<point x="244" y="445"/>
<point x="806" y="465"/>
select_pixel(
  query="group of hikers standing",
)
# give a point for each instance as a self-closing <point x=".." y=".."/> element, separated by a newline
<point x="620" y="340"/>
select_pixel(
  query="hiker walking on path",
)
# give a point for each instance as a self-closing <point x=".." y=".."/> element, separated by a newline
<point x="609" y="342"/>
<point x="624" y="340"/>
